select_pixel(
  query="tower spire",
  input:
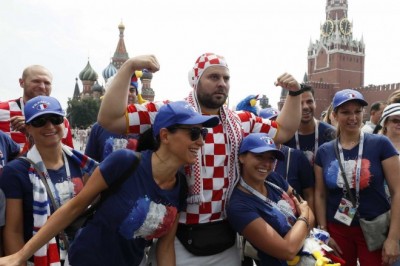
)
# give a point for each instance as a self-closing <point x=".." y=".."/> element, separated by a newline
<point x="120" y="55"/>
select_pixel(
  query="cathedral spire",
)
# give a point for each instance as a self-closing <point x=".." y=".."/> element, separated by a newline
<point x="120" y="55"/>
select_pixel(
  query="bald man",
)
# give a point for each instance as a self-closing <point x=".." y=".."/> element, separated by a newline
<point x="36" y="80"/>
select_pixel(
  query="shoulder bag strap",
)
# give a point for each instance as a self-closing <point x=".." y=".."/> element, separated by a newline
<point x="62" y="234"/>
<point x="288" y="163"/>
<point x="353" y="201"/>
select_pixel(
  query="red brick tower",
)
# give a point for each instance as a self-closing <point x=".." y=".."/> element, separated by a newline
<point x="337" y="58"/>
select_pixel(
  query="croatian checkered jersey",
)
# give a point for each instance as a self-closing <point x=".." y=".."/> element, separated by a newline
<point x="214" y="160"/>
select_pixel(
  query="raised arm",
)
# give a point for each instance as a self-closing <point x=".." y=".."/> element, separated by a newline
<point x="289" y="118"/>
<point x="113" y="106"/>
<point x="59" y="220"/>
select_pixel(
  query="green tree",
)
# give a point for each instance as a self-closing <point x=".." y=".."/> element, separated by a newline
<point x="82" y="112"/>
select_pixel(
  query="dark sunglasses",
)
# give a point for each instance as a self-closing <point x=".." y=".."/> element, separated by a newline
<point x="42" y="120"/>
<point x="195" y="132"/>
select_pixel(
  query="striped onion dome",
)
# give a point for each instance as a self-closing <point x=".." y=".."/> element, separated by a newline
<point x="109" y="71"/>
<point x="88" y="73"/>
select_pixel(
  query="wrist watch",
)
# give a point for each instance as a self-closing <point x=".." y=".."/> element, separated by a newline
<point x="303" y="88"/>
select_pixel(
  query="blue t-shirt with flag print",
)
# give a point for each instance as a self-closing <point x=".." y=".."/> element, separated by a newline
<point x="243" y="208"/>
<point x="373" y="200"/>
<point x="138" y="210"/>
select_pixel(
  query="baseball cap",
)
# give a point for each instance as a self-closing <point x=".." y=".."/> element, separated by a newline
<point x="390" y="110"/>
<point x="259" y="143"/>
<point x="180" y="113"/>
<point x="41" y="105"/>
<point x="269" y="113"/>
<point x="346" y="95"/>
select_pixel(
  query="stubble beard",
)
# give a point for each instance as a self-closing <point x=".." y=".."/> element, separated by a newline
<point x="208" y="101"/>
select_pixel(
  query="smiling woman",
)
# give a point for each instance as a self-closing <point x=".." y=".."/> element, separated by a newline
<point x="27" y="204"/>
<point x="350" y="173"/>
<point x="260" y="207"/>
<point x="145" y="199"/>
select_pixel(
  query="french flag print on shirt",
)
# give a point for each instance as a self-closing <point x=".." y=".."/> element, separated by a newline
<point x="148" y="220"/>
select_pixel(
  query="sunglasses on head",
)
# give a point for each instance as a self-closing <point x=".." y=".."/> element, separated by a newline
<point x="42" y="120"/>
<point x="195" y="132"/>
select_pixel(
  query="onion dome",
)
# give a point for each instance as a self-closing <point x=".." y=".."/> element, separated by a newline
<point x="146" y="75"/>
<point x="97" y="87"/>
<point x="109" y="71"/>
<point x="88" y="73"/>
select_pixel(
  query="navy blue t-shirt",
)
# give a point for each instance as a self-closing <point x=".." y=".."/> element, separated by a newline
<point x="243" y="208"/>
<point x="102" y="143"/>
<point x="326" y="133"/>
<point x="373" y="200"/>
<point x="137" y="211"/>
<point x="300" y="174"/>
<point x="16" y="184"/>
<point x="9" y="149"/>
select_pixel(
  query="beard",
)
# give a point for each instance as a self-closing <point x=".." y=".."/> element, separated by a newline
<point x="211" y="101"/>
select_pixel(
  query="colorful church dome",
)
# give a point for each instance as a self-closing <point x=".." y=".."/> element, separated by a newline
<point x="109" y="71"/>
<point x="88" y="73"/>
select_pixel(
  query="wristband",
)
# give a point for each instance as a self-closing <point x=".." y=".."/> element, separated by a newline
<point x="304" y="219"/>
<point x="303" y="88"/>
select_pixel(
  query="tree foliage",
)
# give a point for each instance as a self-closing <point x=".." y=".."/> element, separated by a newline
<point x="82" y="113"/>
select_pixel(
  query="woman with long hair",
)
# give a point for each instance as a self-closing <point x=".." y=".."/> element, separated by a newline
<point x="145" y="201"/>
<point x="262" y="207"/>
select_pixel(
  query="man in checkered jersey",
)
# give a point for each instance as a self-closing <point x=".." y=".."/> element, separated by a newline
<point x="36" y="80"/>
<point x="212" y="178"/>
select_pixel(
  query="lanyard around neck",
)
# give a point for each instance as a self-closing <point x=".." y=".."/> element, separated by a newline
<point x="296" y="135"/>
<point x="358" y="167"/>
<point x="289" y="216"/>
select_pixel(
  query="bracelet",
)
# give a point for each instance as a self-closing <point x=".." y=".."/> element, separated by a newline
<point x="304" y="219"/>
<point x="303" y="88"/>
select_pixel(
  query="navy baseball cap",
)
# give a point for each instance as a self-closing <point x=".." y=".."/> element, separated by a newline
<point x="346" y="95"/>
<point x="42" y="105"/>
<point x="259" y="143"/>
<point x="269" y="113"/>
<point x="180" y="113"/>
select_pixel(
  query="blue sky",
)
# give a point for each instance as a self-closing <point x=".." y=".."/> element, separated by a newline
<point x="260" y="40"/>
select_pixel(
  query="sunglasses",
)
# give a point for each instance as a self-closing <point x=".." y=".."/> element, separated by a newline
<point x="195" y="132"/>
<point x="42" y="120"/>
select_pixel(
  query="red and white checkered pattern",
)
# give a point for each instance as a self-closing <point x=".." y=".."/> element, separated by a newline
<point x="214" y="160"/>
<point x="10" y="109"/>
<point x="202" y="63"/>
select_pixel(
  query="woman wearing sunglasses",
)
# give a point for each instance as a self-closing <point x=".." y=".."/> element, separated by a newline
<point x="27" y="206"/>
<point x="144" y="207"/>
